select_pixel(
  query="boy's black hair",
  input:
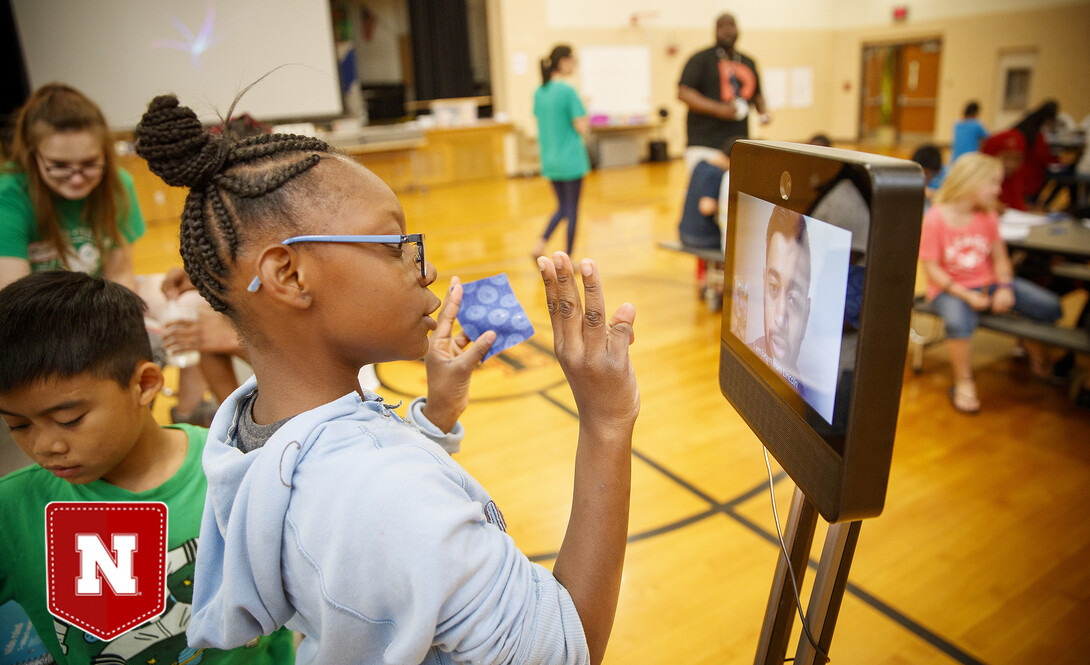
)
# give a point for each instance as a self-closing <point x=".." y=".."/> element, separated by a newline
<point x="971" y="109"/>
<point x="61" y="324"/>
<point x="234" y="186"/>
<point x="928" y="157"/>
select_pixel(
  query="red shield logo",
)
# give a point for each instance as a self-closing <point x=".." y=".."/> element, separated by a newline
<point x="106" y="564"/>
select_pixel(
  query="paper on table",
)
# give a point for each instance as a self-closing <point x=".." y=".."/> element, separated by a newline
<point x="1010" y="232"/>
<point x="1021" y="217"/>
<point x="490" y="304"/>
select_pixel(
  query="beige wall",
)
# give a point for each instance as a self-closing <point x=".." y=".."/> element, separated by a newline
<point x="971" y="49"/>
<point x="1060" y="36"/>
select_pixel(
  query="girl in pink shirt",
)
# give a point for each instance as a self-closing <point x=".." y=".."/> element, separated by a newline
<point x="969" y="271"/>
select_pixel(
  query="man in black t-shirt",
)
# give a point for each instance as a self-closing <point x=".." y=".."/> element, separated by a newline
<point x="719" y="85"/>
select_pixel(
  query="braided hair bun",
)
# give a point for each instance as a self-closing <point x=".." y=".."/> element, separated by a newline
<point x="234" y="187"/>
<point x="176" y="146"/>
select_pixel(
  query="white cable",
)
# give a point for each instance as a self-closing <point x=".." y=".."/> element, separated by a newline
<point x="787" y="559"/>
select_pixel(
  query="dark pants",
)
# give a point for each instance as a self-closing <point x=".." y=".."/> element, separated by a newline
<point x="567" y="198"/>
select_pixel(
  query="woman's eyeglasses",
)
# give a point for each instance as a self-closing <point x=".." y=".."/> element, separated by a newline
<point x="64" y="173"/>
<point x="415" y="239"/>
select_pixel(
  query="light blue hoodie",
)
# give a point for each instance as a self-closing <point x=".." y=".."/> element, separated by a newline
<point x="356" y="528"/>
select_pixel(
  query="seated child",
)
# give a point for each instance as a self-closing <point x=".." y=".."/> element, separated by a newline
<point x="1009" y="147"/>
<point x="969" y="271"/>
<point x="699" y="226"/>
<point x="930" y="160"/>
<point x="326" y="510"/>
<point x="83" y="415"/>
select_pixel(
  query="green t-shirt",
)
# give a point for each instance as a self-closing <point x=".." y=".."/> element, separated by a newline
<point x="24" y="495"/>
<point x="563" y="155"/>
<point x="19" y="237"/>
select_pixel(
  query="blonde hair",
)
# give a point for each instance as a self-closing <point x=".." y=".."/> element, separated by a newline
<point x="966" y="177"/>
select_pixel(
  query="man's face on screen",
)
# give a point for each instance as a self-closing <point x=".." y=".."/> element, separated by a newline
<point x="786" y="299"/>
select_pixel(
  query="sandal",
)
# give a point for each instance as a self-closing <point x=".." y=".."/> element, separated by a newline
<point x="964" y="400"/>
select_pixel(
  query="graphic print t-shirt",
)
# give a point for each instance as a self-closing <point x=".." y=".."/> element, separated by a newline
<point x="25" y="494"/>
<point x="965" y="253"/>
<point x="19" y="236"/>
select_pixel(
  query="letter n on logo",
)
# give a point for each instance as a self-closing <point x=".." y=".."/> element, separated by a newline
<point x="106" y="564"/>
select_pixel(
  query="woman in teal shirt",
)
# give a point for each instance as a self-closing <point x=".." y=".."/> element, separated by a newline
<point x="64" y="203"/>
<point x="561" y="122"/>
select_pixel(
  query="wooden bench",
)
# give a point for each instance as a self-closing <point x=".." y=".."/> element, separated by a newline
<point x="1072" y="271"/>
<point x="1046" y="333"/>
<point x="712" y="289"/>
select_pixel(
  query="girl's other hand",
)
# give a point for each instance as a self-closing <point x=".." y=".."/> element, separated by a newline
<point x="1002" y="300"/>
<point x="978" y="301"/>
<point x="210" y="332"/>
<point x="182" y="336"/>
<point x="450" y="362"/>
<point x="592" y="351"/>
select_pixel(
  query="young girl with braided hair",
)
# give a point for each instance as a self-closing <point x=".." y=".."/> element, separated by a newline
<point x="327" y="511"/>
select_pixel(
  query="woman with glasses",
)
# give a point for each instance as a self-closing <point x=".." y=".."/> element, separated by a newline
<point x="64" y="203"/>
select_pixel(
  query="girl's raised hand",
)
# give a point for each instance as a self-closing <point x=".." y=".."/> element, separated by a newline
<point x="592" y="351"/>
<point x="450" y="362"/>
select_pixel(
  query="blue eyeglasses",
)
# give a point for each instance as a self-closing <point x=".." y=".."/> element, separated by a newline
<point x="416" y="239"/>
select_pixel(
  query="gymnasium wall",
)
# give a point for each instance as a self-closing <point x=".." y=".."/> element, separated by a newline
<point x="826" y="36"/>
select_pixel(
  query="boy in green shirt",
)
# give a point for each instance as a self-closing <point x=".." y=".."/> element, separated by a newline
<point x="76" y="386"/>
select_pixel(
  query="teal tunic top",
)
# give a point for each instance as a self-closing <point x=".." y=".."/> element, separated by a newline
<point x="563" y="155"/>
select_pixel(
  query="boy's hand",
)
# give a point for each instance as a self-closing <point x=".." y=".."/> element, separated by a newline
<point x="592" y="352"/>
<point x="450" y="362"/>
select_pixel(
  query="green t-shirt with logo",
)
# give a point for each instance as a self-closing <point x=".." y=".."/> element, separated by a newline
<point x="19" y="237"/>
<point x="563" y="155"/>
<point x="24" y="495"/>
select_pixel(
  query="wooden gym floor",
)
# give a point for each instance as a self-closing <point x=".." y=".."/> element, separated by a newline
<point x="980" y="556"/>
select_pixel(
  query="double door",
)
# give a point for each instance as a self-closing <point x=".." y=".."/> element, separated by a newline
<point x="900" y="91"/>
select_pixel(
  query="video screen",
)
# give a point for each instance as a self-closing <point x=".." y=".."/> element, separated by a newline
<point x="788" y="295"/>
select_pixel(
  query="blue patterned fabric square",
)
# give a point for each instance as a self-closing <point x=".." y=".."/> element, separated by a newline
<point x="490" y="304"/>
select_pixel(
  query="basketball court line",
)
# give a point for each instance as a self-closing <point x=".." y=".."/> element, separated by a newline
<point x="728" y="508"/>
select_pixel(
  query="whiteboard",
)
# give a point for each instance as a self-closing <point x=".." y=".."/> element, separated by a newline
<point x="615" y="81"/>
<point x="121" y="53"/>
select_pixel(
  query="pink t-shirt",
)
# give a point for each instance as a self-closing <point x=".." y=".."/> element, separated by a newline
<point x="965" y="253"/>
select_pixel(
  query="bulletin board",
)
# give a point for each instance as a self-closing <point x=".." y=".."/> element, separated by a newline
<point x="615" y="81"/>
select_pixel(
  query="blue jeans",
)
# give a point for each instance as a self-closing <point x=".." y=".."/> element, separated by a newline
<point x="1032" y="301"/>
<point x="567" y="199"/>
